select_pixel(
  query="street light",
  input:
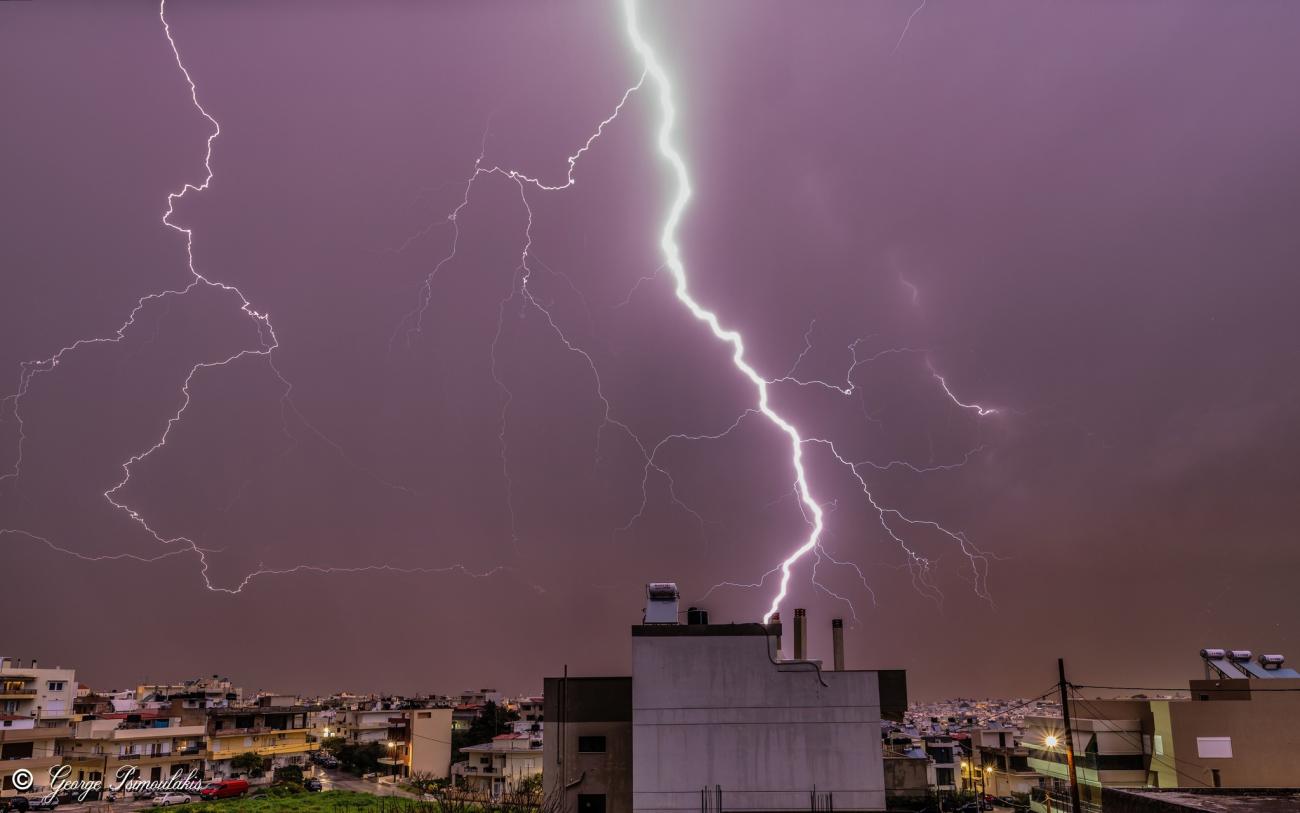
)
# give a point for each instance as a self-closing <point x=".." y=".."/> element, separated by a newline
<point x="392" y="757"/>
<point x="1050" y="740"/>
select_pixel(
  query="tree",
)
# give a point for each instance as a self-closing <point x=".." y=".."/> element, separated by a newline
<point x="333" y="744"/>
<point x="289" y="773"/>
<point x="360" y="758"/>
<point x="530" y="786"/>
<point x="491" y="721"/>
<point x="249" y="762"/>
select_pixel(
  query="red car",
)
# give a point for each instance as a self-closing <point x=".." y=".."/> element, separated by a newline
<point x="224" y="789"/>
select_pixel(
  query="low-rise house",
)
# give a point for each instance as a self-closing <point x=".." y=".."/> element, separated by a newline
<point x="498" y="767"/>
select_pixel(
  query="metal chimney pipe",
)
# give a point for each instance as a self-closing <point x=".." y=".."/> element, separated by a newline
<point x="837" y="641"/>
<point x="776" y="619"/>
<point x="800" y="634"/>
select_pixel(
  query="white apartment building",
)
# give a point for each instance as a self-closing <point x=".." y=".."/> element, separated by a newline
<point x="497" y="767"/>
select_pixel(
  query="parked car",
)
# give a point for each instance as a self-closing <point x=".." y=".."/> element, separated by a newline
<point x="43" y="803"/>
<point x="313" y="785"/>
<point x="224" y="789"/>
<point x="18" y="804"/>
<point x="167" y="799"/>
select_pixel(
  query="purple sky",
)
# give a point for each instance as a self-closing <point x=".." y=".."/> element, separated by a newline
<point x="1084" y="216"/>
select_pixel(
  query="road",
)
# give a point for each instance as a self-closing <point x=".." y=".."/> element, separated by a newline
<point x="338" y="780"/>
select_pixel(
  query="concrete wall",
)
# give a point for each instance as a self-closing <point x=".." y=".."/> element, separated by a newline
<point x="710" y="708"/>
<point x="582" y="707"/>
<point x="430" y="746"/>
<point x="1265" y="738"/>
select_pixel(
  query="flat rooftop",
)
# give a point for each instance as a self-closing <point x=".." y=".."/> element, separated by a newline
<point x="1202" y="800"/>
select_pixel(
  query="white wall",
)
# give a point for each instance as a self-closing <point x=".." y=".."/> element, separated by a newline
<point x="714" y="710"/>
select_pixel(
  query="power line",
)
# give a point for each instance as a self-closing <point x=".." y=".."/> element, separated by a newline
<point x="1141" y="747"/>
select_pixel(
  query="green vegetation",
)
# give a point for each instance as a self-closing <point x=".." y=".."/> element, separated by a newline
<point x="267" y="802"/>
<point x="491" y="721"/>
<point x="346" y="801"/>
<point x="359" y="758"/>
<point x="249" y="762"/>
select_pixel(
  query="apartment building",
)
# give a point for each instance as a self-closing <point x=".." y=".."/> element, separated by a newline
<point x="1237" y="730"/>
<point x="154" y="743"/>
<point x="588" y="742"/>
<point x="45" y="695"/>
<point x="945" y="761"/>
<point x="1003" y="761"/>
<point x="496" y="768"/>
<point x="26" y="746"/>
<point x="368" y="724"/>
<point x="281" y="734"/>
<point x="531" y="709"/>
<point x="718" y="720"/>
<point x="428" y="743"/>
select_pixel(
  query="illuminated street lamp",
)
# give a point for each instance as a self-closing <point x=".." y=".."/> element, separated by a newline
<point x="1050" y="740"/>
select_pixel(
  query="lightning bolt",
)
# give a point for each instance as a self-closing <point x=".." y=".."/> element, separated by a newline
<point x="811" y="509"/>
<point x="673" y="261"/>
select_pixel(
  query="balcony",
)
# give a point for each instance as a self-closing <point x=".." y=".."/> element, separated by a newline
<point x="17" y="694"/>
<point x="35" y="734"/>
<point x="296" y="747"/>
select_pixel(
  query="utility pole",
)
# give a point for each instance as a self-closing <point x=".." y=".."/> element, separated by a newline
<point x="1075" y="806"/>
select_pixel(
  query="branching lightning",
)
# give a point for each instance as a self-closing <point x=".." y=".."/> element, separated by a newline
<point x="895" y="525"/>
<point x="812" y="510"/>
<point x="267" y="343"/>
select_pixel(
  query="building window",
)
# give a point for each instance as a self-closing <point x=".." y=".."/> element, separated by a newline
<point x="591" y="803"/>
<point x="1214" y="747"/>
<point x="592" y="745"/>
<point x="54" y="685"/>
<point x="943" y="776"/>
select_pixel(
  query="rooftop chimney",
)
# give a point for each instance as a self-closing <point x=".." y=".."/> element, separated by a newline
<point x="800" y="634"/>
<point x="776" y="619"/>
<point x="837" y="641"/>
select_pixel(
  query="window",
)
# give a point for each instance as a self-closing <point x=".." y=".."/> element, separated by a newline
<point x="592" y="745"/>
<point x="943" y="776"/>
<point x="1159" y="745"/>
<point x="54" y="685"/>
<point x="1214" y="747"/>
<point x="591" y="803"/>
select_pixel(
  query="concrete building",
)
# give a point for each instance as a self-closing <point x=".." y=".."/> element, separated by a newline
<point x="907" y="770"/>
<point x="1237" y="730"/>
<point x="155" y="744"/>
<point x="26" y="746"/>
<point x="280" y="734"/>
<point x="428" y="746"/>
<point x="718" y="721"/>
<point x="1201" y="800"/>
<point x="588" y="743"/>
<point x="496" y="768"/>
<point x="945" y="762"/>
<point x="367" y="724"/>
<point x="1003" y="761"/>
<point x="45" y="695"/>
<point x="530" y="709"/>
